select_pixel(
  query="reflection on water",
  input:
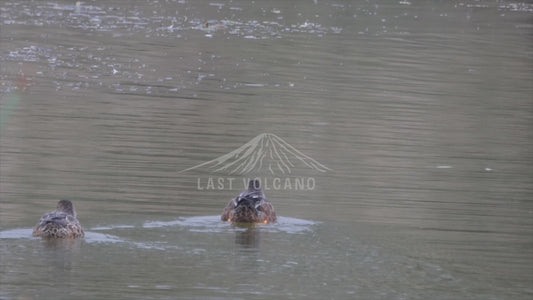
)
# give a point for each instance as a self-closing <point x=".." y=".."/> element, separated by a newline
<point x="248" y="238"/>
<point x="420" y="111"/>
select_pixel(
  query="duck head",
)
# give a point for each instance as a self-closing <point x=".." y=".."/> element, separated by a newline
<point x="250" y="206"/>
<point x="67" y="207"/>
<point x="247" y="205"/>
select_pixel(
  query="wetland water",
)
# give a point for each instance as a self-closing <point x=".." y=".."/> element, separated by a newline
<point x="397" y="138"/>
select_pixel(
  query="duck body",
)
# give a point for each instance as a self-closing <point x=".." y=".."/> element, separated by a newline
<point x="61" y="223"/>
<point x="250" y="206"/>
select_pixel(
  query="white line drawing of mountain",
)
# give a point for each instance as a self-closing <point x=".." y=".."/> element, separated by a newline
<point x="266" y="150"/>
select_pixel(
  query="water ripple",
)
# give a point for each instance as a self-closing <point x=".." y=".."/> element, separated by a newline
<point x="213" y="224"/>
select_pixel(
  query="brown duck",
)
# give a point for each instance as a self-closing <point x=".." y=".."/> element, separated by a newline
<point x="250" y="206"/>
<point x="61" y="223"/>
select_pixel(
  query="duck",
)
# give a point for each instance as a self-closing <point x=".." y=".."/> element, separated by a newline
<point x="61" y="223"/>
<point x="251" y="206"/>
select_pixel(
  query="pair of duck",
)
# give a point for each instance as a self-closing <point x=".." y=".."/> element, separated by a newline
<point x="250" y="206"/>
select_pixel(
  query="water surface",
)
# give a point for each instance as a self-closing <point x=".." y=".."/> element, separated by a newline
<point x="421" y="114"/>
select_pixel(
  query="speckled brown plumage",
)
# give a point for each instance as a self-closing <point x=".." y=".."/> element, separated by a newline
<point x="61" y="223"/>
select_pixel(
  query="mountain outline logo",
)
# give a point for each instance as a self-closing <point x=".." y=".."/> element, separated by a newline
<point x="265" y="151"/>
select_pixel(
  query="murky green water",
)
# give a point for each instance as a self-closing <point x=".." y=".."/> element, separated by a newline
<point x="395" y="139"/>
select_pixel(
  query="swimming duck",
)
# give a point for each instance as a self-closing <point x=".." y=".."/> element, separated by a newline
<point x="250" y="206"/>
<point x="61" y="223"/>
